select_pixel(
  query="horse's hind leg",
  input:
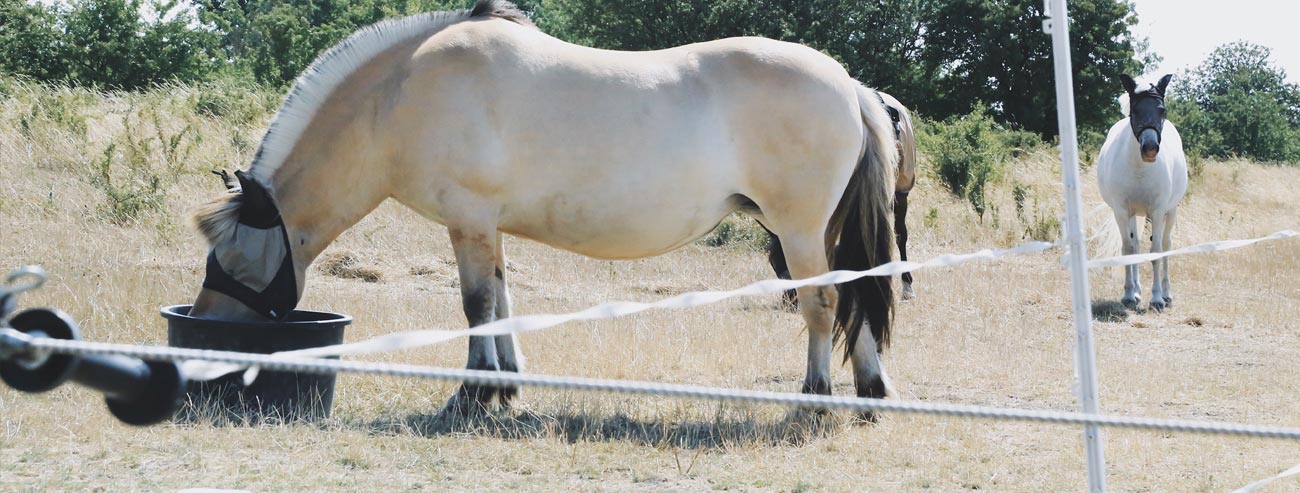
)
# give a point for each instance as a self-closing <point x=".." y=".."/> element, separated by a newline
<point x="508" y="355"/>
<point x="900" y="236"/>
<point x="1159" y="278"/>
<point x="776" y="257"/>
<point x="475" y="250"/>
<point x="806" y="256"/>
<point x="869" y="371"/>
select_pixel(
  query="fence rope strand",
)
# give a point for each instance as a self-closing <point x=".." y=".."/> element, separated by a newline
<point x="480" y="377"/>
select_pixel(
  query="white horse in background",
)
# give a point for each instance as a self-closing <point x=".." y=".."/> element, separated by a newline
<point x="1142" y="171"/>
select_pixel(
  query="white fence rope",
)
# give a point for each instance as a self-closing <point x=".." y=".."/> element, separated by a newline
<point x="207" y="364"/>
<point x="1213" y="246"/>
<point x="482" y="377"/>
<point x="1294" y="471"/>
<point x="200" y="370"/>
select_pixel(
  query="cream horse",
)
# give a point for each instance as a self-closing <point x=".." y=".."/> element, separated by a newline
<point x="905" y="140"/>
<point x="1142" y="171"/>
<point x="481" y="122"/>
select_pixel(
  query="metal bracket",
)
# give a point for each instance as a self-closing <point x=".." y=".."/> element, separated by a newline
<point x="18" y="281"/>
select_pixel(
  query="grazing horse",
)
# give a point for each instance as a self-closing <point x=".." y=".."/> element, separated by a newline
<point x="905" y="139"/>
<point x="479" y="121"/>
<point x="1142" y="171"/>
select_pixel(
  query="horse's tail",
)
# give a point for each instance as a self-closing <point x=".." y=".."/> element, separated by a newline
<point x="1104" y="238"/>
<point x="865" y="238"/>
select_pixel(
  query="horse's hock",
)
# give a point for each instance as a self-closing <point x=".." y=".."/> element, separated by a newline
<point x="286" y="396"/>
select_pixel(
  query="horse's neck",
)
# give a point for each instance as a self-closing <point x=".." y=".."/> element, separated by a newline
<point x="324" y="190"/>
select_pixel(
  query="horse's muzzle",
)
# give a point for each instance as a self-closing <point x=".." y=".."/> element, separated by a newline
<point x="1150" y="142"/>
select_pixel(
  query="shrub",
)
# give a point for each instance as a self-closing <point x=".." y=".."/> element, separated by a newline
<point x="967" y="154"/>
<point x="1090" y="141"/>
<point x="737" y="231"/>
<point x="1020" y="142"/>
<point x="1237" y="103"/>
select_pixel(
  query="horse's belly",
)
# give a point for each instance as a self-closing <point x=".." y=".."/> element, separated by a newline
<point x="614" y="229"/>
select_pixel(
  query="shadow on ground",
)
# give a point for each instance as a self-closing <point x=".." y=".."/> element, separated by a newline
<point x="797" y="428"/>
<point x="1109" y="311"/>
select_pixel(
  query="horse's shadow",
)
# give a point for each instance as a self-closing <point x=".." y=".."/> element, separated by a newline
<point x="1109" y="311"/>
<point x="796" y="429"/>
<point x="1115" y="311"/>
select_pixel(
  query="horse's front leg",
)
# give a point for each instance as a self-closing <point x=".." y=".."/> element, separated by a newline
<point x="1159" y="276"/>
<point x="1164" y="280"/>
<point x="1128" y="228"/>
<point x="475" y="250"/>
<point x="509" y="357"/>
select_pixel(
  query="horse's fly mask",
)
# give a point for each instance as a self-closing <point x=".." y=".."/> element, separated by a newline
<point x="254" y="265"/>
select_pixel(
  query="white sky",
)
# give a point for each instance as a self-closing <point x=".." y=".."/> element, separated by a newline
<point x="1184" y="32"/>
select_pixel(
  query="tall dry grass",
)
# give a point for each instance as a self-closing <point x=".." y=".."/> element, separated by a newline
<point x="992" y="334"/>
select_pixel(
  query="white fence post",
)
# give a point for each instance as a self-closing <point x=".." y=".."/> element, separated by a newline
<point x="1058" y="24"/>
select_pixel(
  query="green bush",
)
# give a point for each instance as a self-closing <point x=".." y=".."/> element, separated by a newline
<point x="967" y="153"/>
<point x="1237" y="103"/>
<point x="234" y="101"/>
<point x="738" y="231"/>
<point x="1090" y="141"/>
<point x="113" y="44"/>
<point x="1020" y="142"/>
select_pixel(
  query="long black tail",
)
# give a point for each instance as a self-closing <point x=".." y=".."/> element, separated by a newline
<point x="865" y="238"/>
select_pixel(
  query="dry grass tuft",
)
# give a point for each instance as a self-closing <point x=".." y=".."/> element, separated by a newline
<point x="346" y="265"/>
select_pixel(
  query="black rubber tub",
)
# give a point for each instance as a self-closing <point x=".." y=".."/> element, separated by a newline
<point x="277" y="395"/>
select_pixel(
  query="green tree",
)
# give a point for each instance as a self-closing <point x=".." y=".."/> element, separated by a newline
<point x="1238" y="103"/>
<point x="940" y="56"/>
<point x="103" y="43"/>
<point x="995" y="51"/>
<point x="31" y="42"/>
<point x="875" y="40"/>
<point x="275" y="40"/>
<point x="110" y="44"/>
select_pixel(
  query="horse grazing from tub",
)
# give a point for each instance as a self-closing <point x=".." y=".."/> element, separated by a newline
<point x="479" y="121"/>
<point x="1142" y="171"/>
<point x="905" y="140"/>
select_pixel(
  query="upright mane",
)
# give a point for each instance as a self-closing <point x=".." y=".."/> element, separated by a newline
<point x="320" y="79"/>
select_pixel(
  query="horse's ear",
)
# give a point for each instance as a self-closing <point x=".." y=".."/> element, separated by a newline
<point x="1129" y="84"/>
<point x="1164" y="82"/>
<point x="230" y="182"/>
<point x="254" y="197"/>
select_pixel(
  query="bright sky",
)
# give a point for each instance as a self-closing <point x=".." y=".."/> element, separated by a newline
<point x="1184" y="32"/>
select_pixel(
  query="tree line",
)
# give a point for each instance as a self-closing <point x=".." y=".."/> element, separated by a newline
<point x="947" y="58"/>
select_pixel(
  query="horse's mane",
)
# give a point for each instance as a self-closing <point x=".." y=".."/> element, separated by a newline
<point x="318" y="81"/>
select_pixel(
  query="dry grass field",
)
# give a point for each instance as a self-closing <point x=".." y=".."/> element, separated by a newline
<point x="98" y="189"/>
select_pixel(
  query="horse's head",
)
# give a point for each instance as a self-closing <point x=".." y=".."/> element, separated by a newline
<point x="250" y="269"/>
<point x="1146" y="114"/>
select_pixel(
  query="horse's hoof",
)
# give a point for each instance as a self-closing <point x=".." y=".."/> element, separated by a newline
<point x="816" y="387"/>
<point x="470" y="400"/>
<point x="908" y="293"/>
<point x="866" y="418"/>
<point x="1158" y="306"/>
<point x="505" y="395"/>
<point x="1131" y="303"/>
<point x="1169" y="302"/>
